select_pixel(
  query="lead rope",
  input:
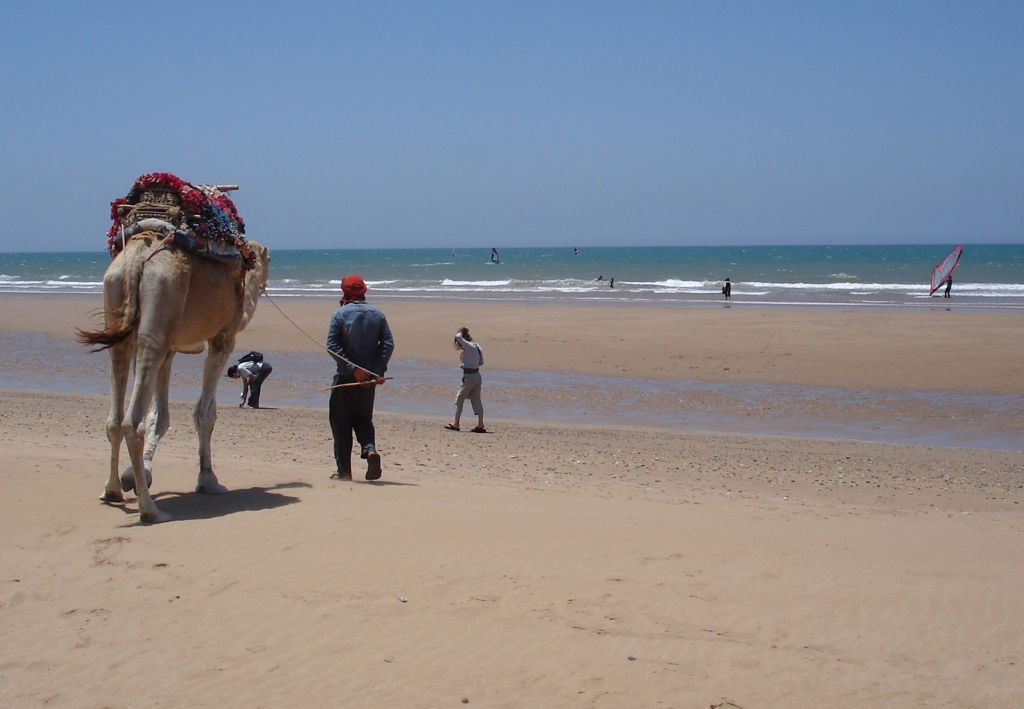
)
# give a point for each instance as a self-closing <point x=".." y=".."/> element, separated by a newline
<point x="320" y="344"/>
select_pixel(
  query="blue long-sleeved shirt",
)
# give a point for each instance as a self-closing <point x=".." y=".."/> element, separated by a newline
<point x="360" y="333"/>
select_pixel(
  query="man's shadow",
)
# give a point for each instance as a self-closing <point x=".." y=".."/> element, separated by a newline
<point x="192" y="505"/>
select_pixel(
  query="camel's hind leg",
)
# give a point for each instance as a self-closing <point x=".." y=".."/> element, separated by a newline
<point x="205" y="414"/>
<point x="147" y="364"/>
<point x="158" y="421"/>
<point x="120" y="361"/>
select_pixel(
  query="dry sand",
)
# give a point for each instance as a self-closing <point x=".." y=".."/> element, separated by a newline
<point x="541" y="565"/>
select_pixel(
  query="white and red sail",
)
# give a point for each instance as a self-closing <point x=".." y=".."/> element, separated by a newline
<point x="944" y="271"/>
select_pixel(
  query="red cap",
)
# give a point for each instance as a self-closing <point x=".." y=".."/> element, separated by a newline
<point x="353" y="286"/>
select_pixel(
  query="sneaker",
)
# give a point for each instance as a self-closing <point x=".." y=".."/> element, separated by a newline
<point x="372" y="465"/>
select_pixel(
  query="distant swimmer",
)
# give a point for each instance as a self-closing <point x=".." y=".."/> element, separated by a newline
<point x="599" y="278"/>
<point x="727" y="289"/>
<point x="611" y="283"/>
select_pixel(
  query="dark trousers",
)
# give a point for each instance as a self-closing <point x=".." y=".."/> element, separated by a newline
<point x="351" y="411"/>
<point x="257" y="384"/>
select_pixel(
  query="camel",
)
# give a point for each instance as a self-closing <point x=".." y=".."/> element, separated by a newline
<point x="159" y="300"/>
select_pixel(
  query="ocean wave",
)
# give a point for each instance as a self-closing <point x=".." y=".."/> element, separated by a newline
<point x="76" y="284"/>
<point x="337" y="282"/>
<point x="16" y="280"/>
<point x="837" y="286"/>
<point x="475" y="284"/>
<point x="669" y="283"/>
<point x="961" y="288"/>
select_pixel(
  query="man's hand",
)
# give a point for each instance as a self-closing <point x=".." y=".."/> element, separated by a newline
<point x="363" y="377"/>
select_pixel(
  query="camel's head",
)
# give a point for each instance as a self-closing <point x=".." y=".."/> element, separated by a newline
<point x="261" y="270"/>
<point x="255" y="281"/>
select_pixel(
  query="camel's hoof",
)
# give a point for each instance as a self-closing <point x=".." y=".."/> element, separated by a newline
<point x="114" y="496"/>
<point x="155" y="517"/>
<point x="128" y="480"/>
<point x="212" y="489"/>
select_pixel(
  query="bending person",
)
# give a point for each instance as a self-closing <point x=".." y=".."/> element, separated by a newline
<point x="252" y="374"/>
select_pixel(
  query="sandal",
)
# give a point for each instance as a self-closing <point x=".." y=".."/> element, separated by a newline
<point x="451" y="427"/>
<point x="479" y="429"/>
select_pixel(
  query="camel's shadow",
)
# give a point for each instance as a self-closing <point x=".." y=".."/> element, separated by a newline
<point x="192" y="505"/>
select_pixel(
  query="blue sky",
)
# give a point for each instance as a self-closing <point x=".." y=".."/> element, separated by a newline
<point x="397" y="124"/>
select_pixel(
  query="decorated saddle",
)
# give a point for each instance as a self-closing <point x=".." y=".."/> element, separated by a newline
<point x="198" y="218"/>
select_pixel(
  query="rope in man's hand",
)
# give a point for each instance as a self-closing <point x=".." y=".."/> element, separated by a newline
<point x="363" y="375"/>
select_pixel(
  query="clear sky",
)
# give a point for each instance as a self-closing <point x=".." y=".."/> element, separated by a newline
<point x="477" y="123"/>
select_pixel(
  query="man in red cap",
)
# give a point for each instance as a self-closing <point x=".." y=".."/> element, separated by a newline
<point x="360" y="336"/>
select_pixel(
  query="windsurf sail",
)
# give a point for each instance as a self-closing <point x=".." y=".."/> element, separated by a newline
<point x="944" y="271"/>
<point x="495" y="258"/>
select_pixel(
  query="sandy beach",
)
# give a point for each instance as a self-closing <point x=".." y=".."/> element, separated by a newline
<point x="547" y="564"/>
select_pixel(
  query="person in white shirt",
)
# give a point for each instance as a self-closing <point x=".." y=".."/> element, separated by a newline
<point x="252" y="374"/>
<point x="471" y="358"/>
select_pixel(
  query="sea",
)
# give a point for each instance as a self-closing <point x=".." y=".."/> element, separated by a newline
<point x="989" y="277"/>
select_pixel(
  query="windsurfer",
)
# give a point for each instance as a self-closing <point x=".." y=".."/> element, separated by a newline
<point x="943" y="273"/>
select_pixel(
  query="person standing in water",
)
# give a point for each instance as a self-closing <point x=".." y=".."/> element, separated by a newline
<point x="727" y="289"/>
<point x="471" y="358"/>
<point x="949" y="285"/>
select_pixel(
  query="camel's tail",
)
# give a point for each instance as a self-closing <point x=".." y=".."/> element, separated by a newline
<point x="120" y="322"/>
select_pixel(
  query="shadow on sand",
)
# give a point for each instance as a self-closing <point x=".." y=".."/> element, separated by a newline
<point x="192" y="505"/>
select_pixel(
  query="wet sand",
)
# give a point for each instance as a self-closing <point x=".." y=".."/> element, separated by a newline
<point x="933" y="377"/>
<point x="935" y="349"/>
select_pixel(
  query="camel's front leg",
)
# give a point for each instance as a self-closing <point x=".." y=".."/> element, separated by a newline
<point x="205" y="414"/>
<point x="120" y="361"/>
